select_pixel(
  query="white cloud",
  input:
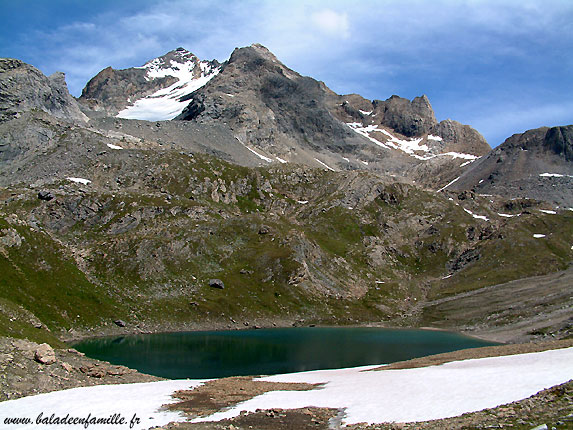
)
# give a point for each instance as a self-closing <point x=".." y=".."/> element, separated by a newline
<point x="332" y="23"/>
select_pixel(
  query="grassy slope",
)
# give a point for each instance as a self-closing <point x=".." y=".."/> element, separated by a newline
<point x="325" y="261"/>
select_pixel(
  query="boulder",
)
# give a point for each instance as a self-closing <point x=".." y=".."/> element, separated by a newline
<point x="45" y="354"/>
<point x="216" y="283"/>
<point x="264" y="229"/>
<point x="45" y="195"/>
<point x="93" y="371"/>
<point x="119" y="323"/>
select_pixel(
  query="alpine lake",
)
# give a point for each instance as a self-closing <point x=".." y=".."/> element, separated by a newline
<point x="215" y="354"/>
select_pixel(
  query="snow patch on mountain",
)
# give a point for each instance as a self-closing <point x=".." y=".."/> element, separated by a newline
<point x="482" y="217"/>
<point x="554" y="175"/>
<point x="325" y="165"/>
<point x="447" y="185"/>
<point x="79" y="180"/>
<point x="262" y="157"/>
<point x="413" y="147"/>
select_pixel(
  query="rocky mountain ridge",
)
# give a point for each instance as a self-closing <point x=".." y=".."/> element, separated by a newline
<point x="280" y="116"/>
<point x="536" y="164"/>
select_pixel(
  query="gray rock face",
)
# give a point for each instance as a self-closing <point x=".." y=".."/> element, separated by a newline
<point x="24" y="88"/>
<point x="266" y="103"/>
<point x="410" y="118"/>
<point x="45" y="354"/>
<point x="460" y="138"/>
<point x="560" y="141"/>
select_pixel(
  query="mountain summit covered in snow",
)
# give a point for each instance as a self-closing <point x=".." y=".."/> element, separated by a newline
<point x="155" y="92"/>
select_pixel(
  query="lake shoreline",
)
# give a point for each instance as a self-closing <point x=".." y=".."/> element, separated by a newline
<point x="75" y="336"/>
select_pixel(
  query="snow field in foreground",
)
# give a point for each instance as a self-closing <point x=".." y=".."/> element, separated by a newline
<point x="405" y="395"/>
<point x="141" y="400"/>
<point x="420" y="394"/>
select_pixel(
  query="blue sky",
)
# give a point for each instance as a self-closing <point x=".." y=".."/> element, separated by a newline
<point x="501" y="66"/>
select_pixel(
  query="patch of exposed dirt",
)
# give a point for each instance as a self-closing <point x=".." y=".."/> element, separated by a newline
<point x="226" y="392"/>
<point x="273" y="419"/>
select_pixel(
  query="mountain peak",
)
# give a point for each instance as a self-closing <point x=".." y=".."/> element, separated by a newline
<point x="177" y="56"/>
<point x="254" y="53"/>
<point x="261" y="49"/>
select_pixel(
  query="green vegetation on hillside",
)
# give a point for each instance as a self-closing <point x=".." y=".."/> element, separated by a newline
<point x="289" y="243"/>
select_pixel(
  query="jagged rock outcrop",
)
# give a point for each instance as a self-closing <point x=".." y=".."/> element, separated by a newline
<point x="24" y="88"/>
<point x="409" y="118"/>
<point x="560" y="141"/>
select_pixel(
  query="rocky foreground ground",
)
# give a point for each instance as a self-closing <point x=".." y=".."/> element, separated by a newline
<point x="27" y="368"/>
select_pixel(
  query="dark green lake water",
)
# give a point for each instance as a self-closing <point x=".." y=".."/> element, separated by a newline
<point x="213" y="354"/>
